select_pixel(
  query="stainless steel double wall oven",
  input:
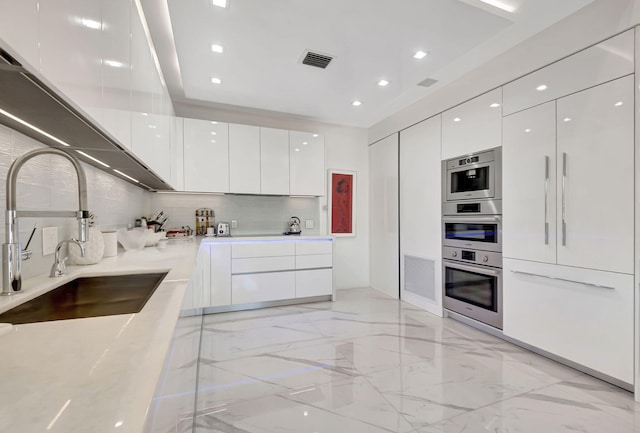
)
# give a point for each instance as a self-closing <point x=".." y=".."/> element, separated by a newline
<point x="472" y="236"/>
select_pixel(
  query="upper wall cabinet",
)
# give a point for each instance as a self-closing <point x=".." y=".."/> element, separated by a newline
<point x="606" y="61"/>
<point x="274" y="161"/>
<point x="473" y="126"/>
<point x="19" y="29"/>
<point x="244" y="159"/>
<point x="206" y="156"/>
<point x="306" y="152"/>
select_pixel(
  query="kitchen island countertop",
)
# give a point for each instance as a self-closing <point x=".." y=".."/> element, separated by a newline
<point x="94" y="374"/>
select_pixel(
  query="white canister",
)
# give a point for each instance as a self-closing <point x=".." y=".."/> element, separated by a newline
<point x="93" y="247"/>
<point x="110" y="243"/>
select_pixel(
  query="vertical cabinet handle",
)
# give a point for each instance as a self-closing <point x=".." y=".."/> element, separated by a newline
<point x="546" y="199"/>
<point x="564" y="190"/>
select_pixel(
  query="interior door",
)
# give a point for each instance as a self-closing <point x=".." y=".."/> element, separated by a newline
<point x="596" y="177"/>
<point x="529" y="184"/>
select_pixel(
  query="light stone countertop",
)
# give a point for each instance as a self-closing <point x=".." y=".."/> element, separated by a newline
<point x="96" y="374"/>
<point x="265" y="238"/>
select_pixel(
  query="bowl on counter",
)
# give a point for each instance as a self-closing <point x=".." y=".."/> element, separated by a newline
<point x="154" y="237"/>
<point x="133" y="239"/>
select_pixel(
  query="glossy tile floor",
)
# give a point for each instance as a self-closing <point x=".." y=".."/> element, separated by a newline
<point x="369" y="363"/>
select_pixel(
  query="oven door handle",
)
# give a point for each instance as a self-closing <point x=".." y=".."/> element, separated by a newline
<point x="469" y="219"/>
<point x="476" y="269"/>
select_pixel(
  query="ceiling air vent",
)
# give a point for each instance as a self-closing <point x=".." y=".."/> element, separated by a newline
<point x="316" y="59"/>
<point x="428" y="82"/>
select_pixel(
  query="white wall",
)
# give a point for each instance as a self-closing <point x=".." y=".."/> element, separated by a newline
<point x="345" y="148"/>
<point x="49" y="183"/>
<point x="594" y="23"/>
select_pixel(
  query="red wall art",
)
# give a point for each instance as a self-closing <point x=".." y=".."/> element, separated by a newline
<point x="342" y="187"/>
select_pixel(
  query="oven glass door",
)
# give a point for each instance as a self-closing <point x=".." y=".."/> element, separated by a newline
<point x="477" y="288"/>
<point x="471" y="182"/>
<point x="465" y="231"/>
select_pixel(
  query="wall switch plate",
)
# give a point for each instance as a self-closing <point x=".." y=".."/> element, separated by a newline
<point x="234" y="224"/>
<point x="308" y="224"/>
<point x="49" y="240"/>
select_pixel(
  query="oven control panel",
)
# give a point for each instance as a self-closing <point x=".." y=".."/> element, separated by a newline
<point x="486" y="258"/>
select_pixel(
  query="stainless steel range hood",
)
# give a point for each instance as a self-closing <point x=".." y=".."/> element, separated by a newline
<point x="26" y="97"/>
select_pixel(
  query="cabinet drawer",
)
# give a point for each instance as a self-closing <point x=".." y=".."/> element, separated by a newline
<point x="314" y="261"/>
<point x="561" y="310"/>
<point x="314" y="247"/>
<point x="263" y="264"/>
<point x="256" y="249"/>
<point x="314" y="283"/>
<point x="606" y="61"/>
<point x="263" y="287"/>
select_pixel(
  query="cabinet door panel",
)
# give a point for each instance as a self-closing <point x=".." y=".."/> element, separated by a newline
<point x="473" y="126"/>
<point x="220" y="275"/>
<point x="590" y="325"/>
<point x="307" y="164"/>
<point x="596" y="152"/>
<point x="244" y="159"/>
<point x="528" y="184"/>
<point x="274" y="161"/>
<point x="314" y="283"/>
<point x="263" y="287"/>
<point x="19" y="29"/>
<point x="206" y="156"/>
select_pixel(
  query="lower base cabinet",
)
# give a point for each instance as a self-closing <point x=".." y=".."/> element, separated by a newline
<point x="316" y="282"/>
<point x="582" y="315"/>
<point x="270" y="286"/>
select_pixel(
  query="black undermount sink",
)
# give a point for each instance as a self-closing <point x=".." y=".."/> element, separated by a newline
<point x="87" y="297"/>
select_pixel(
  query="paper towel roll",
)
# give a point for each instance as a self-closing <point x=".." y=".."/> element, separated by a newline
<point x="110" y="244"/>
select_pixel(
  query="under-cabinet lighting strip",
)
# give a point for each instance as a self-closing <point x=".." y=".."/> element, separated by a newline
<point x="126" y="175"/>
<point x="86" y="155"/>
<point x="32" y="127"/>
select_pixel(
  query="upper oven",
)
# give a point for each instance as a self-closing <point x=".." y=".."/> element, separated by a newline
<point x="474" y="176"/>
<point x="473" y="232"/>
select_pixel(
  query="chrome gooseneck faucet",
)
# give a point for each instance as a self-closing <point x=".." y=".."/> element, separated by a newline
<point x="12" y="254"/>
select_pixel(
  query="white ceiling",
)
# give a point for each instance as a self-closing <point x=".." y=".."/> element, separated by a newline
<point x="264" y="41"/>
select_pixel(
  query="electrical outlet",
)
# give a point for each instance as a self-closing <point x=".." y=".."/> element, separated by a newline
<point x="49" y="240"/>
<point x="308" y="224"/>
<point x="234" y="224"/>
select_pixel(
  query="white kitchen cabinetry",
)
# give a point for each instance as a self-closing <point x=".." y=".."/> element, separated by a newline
<point x="19" y="29"/>
<point x="529" y="184"/>
<point x="306" y="175"/>
<point x="206" y="156"/>
<point x="585" y="316"/>
<point x="274" y="161"/>
<point x="220" y="278"/>
<point x="587" y="197"/>
<point x="420" y="215"/>
<point x="603" y="62"/>
<point x="595" y="173"/>
<point x="383" y="216"/>
<point x="473" y="126"/>
<point x="151" y="141"/>
<point x="244" y="159"/>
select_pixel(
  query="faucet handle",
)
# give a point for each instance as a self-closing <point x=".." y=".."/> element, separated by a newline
<point x="25" y="254"/>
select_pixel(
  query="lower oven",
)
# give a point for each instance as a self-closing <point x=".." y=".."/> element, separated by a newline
<point x="473" y="290"/>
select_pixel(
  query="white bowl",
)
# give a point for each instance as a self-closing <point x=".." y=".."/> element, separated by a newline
<point x="154" y="238"/>
<point x="133" y="239"/>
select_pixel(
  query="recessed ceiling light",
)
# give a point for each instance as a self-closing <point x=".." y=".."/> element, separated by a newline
<point x="494" y="105"/>
<point x="527" y="130"/>
<point x="315" y="135"/>
<point x="152" y="126"/>
<point x="567" y="119"/>
<point x="86" y="155"/>
<point x="213" y="141"/>
<point x="500" y="5"/>
<point x="145" y="114"/>
<point x="305" y="143"/>
<point x="126" y="175"/>
<point x="221" y="3"/>
<point x="215" y="80"/>
<point x="457" y="119"/>
<point x="32" y="127"/>
<point x="420" y="55"/>
<point x="114" y="64"/>
<point x="618" y="104"/>
<point x="541" y="88"/>
<point x="91" y="24"/>
<point x="217" y="48"/>
<point x="356" y="103"/>
<point x="383" y="83"/>
<point x="297" y="150"/>
<point x="213" y="133"/>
